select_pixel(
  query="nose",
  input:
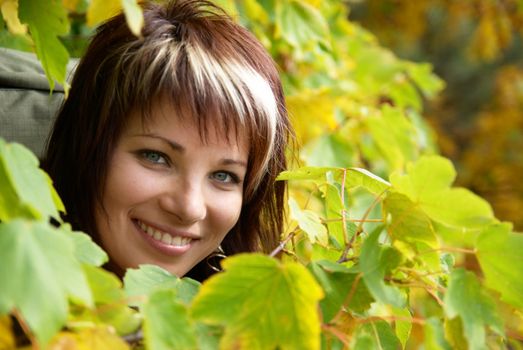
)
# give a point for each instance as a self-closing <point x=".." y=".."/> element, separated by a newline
<point x="186" y="201"/>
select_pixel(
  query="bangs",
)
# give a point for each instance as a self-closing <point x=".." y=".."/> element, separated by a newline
<point x="200" y="66"/>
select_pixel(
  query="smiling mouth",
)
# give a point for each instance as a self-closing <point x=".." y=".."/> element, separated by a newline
<point x="164" y="237"/>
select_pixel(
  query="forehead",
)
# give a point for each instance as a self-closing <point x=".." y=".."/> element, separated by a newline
<point x="170" y="120"/>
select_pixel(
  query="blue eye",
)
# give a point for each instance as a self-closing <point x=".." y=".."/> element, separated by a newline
<point x="225" y="177"/>
<point x="154" y="157"/>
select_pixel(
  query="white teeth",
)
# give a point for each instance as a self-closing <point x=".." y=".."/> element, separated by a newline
<point x="164" y="237"/>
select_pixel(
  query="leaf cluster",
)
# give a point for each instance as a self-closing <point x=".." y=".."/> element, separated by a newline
<point x="378" y="247"/>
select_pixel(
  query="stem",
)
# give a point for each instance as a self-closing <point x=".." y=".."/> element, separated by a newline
<point x="373" y="319"/>
<point x="359" y="230"/>
<point x="337" y="333"/>
<point x="26" y="329"/>
<point x="349" y="296"/>
<point x="343" y="212"/>
<point x="282" y="244"/>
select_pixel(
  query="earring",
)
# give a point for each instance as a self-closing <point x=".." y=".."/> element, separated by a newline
<point x="214" y="259"/>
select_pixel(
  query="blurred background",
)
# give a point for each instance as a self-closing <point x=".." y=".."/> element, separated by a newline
<point x="476" y="47"/>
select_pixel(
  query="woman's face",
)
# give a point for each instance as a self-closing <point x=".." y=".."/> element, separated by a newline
<point x="169" y="197"/>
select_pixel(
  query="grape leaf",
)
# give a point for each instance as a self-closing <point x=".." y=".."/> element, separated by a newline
<point x="10" y="12"/>
<point x="342" y="287"/>
<point x="39" y="272"/>
<point x="499" y="254"/>
<point x="309" y="222"/>
<point x="408" y="223"/>
<point x="354" y="177"/>
<point x="111" y="302"/>
<point x="26" y="190"/>
<point x="301" y="24"/>
<point x="465" y="298"/>
<point x="263" y="304"/>
<point x="147" y="278"/>
<point x="434" y="335"/>
<point x="86" y="250"/>
<point x="45" y="31"/>
<point x="394" y="136"/>
<point x="7" y="337"/>
<point x="99" y="338"/>
<point x="403" y="324"/>
<point x="101" y="10"/>
<point x="166" y="323"/>
<point x="373" y="265"/>
<point x="375" y="335"/>
<point x="133" y="15"/>
<point x="328" y="150"/>
<point x="427" y="183"/>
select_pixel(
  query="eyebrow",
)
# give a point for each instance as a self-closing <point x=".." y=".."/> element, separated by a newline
<point x="175" y="146"/>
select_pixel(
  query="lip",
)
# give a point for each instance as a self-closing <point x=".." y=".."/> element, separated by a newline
<point x="164" y="248"/>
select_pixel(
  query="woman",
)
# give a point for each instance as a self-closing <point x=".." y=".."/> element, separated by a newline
<point x="168" y="145"/>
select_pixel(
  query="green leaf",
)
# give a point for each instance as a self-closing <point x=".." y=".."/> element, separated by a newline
<point x="166" y="323"/>
<point x="328" y="150"/>
<point x="147" y="278"/>
<point x="427" y="183"/>
<point x="465" y="298"/>
<point x="39" y="272"/>
<point x="408" y="222"/>
<point x="263" y="304"/>
<point x="394" y="136"/>
<point x="45" y="31"/>
<point x="111" y="301"/>
<point x="373" y="265"/>
<point x="403" y="325"/>
<point x="26" y="189"/>
<point x="342" y="287"/>
<point x="375" y="335"/>
<point x="333" y="214"/>
<point x="354" y="177"/>
<point x="434" y="335"/>
<point x="499" y="252"/>
<point x="309" y="222"/>
<point x="301" y="24"/>
<point x="360" y="177"/>
<point x="86" y="250"/>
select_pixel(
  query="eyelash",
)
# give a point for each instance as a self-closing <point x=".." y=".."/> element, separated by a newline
<point x="144" y="153"/>
<point x="235" y="179"/>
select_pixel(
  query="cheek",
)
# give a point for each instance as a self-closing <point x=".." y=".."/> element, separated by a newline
<point x="228" y="212"/>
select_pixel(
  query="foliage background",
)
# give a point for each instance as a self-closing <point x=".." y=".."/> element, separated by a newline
<point x="477" y="48"/>
<point x="411" y="262"/>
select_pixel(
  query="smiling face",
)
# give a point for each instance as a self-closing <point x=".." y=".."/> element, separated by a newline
<point x="170" y="198"/>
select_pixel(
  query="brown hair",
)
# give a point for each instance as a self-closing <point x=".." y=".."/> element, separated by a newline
<point x="193" y="53"/>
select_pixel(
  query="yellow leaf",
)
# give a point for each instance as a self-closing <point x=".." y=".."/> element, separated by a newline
<point x="10" y="12"/>
<point x="100" y="10"/>
<point x="7" y="340"/>
<point x="133" y="15"/>
<point x="70" y="5"/>
<point x="100" y="338"/>
<point x="312" y="113"/>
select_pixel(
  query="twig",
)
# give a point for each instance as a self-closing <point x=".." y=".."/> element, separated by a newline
<point x="349" y="296"/>
<point x="282" y="244"/>
<point x="25" y="329"/>
<point x="373" y="319"/>
<point x="359" y="230"/>
<point x="343" y="212"/>
<point x="337" y="333"/>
